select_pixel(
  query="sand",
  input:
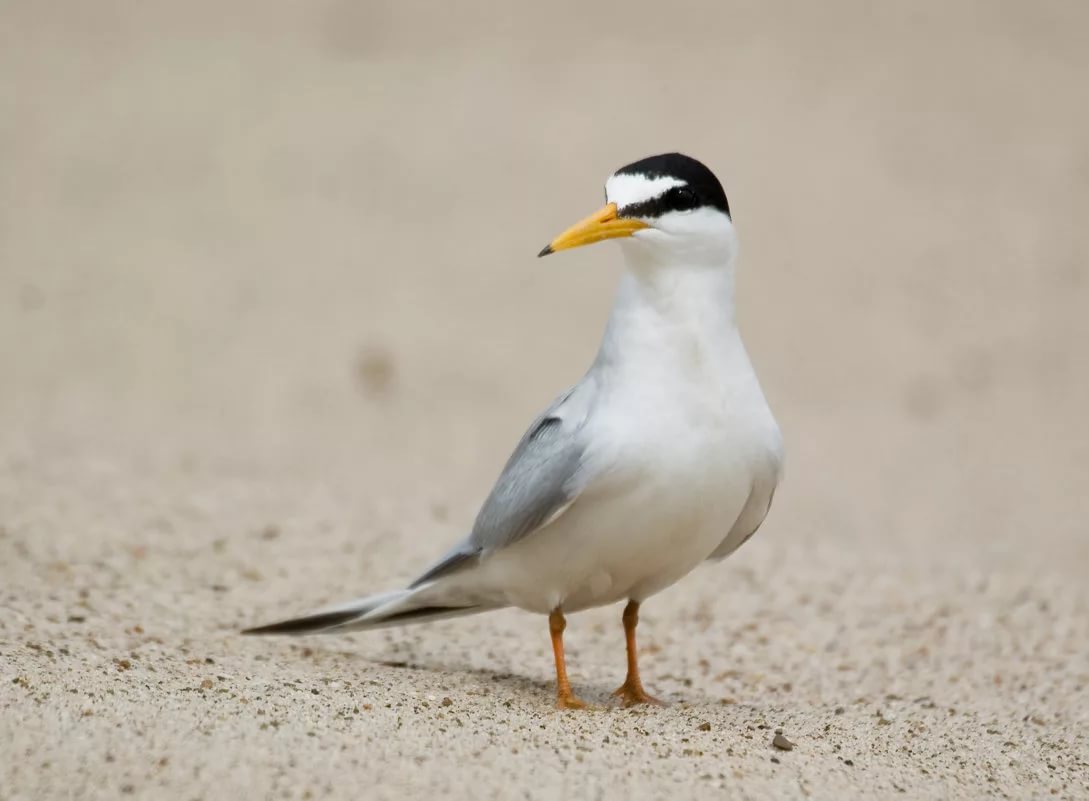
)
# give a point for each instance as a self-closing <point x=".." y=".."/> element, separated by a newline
<point x="270" y="322"/>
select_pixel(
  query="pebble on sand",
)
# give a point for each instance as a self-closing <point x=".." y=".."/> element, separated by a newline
<point x="782" y="743"/>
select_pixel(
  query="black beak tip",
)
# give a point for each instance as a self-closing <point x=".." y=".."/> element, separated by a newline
<point x="545" y="251"/>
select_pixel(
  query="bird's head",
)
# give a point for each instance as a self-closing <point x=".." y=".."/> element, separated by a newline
<point x="669" y="207"/>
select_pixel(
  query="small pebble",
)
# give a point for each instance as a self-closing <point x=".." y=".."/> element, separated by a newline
<point x="782" y="743"/>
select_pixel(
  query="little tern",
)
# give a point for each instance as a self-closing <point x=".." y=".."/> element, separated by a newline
<point x="663" y="456"/>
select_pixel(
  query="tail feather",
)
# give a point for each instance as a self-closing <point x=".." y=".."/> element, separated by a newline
<point x="373" y="612"/>
<point x="310" y="624"/>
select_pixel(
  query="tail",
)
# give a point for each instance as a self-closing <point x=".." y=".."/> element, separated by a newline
<point x="374" y="612"/>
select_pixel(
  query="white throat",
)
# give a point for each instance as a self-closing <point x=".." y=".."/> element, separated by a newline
<point x="665" y="309"/>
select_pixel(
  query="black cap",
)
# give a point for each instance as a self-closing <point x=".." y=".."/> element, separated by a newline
<point x="701" y="187"/>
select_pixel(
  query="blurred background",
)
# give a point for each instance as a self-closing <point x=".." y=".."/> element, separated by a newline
<point x="271" y="318"/>
<point x="301" y="236"/>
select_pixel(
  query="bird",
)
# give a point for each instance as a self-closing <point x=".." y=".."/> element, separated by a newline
<point x="665" y="455"/>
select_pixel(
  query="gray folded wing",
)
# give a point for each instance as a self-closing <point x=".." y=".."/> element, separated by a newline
<point x="752" y="516"/>
<point x="540" y="481"/>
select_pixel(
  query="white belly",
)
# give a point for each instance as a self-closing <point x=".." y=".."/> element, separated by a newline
<point x="624" y="541"/>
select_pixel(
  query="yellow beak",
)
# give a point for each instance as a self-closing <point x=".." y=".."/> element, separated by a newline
<point x="602" y="224"/>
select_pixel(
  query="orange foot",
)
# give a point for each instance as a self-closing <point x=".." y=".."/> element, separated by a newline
<point x="569" y="700"/>
<point x="631" y="693"/>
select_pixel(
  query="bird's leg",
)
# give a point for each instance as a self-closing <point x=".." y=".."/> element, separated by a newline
<point x="631" y="692"/>
<point x="565" y="699"/>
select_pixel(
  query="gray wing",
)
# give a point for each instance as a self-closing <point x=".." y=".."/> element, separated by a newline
<point x="540" y="481"/>
<point x="752" y="515"/>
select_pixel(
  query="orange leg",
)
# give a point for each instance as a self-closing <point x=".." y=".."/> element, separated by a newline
<point x="631" y="692"/>
<point x="565" y="699"/>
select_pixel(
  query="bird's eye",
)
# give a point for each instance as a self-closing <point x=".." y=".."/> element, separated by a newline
<point x="684" y="194"/>
<point x="683" y="199"/>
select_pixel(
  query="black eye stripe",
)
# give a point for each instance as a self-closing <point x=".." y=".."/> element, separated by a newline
<point x="678" y="198"/>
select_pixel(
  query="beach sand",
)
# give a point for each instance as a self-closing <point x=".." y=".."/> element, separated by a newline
<point x="271" y="321"/>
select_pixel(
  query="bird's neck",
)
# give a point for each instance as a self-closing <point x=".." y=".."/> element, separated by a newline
<point x="676" y="312"/>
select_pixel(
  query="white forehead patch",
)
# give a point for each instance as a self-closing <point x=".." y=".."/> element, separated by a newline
<point x="627" y="190"/>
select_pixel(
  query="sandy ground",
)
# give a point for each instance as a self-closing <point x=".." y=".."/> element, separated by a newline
<point x="270" y="322"/>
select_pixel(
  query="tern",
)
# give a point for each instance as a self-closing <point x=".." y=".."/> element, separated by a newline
<point x="665" y="454"/>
